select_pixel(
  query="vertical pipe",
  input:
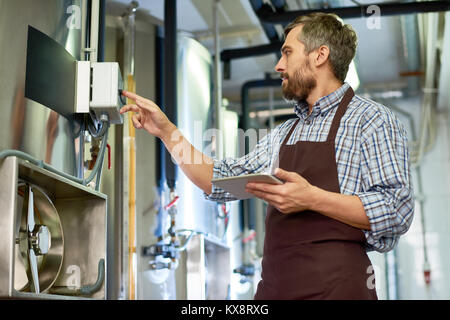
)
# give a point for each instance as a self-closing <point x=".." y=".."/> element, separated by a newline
<point x="101" y="58"/>
<point x="80" y="140"/>
<point x="131" y="86"/>
<point x="84" y="17"/>
<point x="247" y="208"/>
<point x="170" y="78"/>
<point x="130" y="36"/>
<point x="130" y="39"/>
<point x="218" y="81"/>
<point x="101" y="32"/>
<point x="95" y="14"/>
<point x="160" y="150"/>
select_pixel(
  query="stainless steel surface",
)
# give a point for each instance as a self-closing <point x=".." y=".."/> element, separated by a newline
<point x="195" y="269"/>
<point x="84" y="225"/>
<point x="194" y="117"/>
<point x="8" y="191"/>
<point x="207" y="269"/>
<point x="218" y="271"/>
<point x="26" y="125"/>
<point x="82" y="214"/>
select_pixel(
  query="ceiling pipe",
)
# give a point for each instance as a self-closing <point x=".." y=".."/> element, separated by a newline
<point x="263" y="8"/>
<point x="271" y="32"/>
<point x="231" y="54"/>
<point x="388" y="9"/>
<point x="363" y="11"/>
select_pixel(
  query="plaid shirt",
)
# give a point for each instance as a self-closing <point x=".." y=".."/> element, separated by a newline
<point x="371" y="155"/>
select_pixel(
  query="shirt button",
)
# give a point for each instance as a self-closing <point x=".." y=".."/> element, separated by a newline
<point x="308" y="122"/>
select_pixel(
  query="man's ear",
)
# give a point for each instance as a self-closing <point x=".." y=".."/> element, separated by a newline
<point x="321" y="56"/>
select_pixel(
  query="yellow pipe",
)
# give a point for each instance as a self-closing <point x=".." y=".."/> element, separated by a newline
<point x="131" y="86"/>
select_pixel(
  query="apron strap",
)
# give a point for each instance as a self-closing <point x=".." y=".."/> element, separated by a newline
<point x="290" y="132"/>
<point x="348" y="96"/>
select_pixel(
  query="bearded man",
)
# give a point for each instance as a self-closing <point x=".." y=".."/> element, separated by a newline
<point x="344" y="162"/>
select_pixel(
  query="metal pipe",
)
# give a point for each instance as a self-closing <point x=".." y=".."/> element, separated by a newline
<point x="84" y="39"/>
<point x="218" y="82"/>
<point x="129" y="70"/>
<point x="170" y="79"/>
<point x="385" y="9"/>
<point x="431" y="56"/>
<point x="160" y="150"/>
<point x="246" y="212"/>
<point x="101" y="32"/>
<point x="115" y="247"/>
<point x="263" y="8"/>
<point x="230" y="54"/>
<point x="83" y="56"/>
<point x="244" y="119"/>
<point x="95" y="16"/>
<point x="130" y="38"/>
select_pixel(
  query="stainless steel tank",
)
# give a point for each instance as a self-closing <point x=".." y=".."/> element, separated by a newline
<point x="24" y="124"/>
<point x="194" y="118"/>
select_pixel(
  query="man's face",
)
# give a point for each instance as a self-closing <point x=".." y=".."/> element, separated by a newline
<point x="295" y="68"/>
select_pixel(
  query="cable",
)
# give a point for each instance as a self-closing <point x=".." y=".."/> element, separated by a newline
<point x="97" y="134"/>
<point x="42" y="164"/>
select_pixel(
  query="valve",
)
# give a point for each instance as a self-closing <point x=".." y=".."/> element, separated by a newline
<point x="164" y="250"/>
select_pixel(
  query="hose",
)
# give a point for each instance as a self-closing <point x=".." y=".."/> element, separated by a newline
<point x="42" y="164"/>
<point x="84" y="290"/>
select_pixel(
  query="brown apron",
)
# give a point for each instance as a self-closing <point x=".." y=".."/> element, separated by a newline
<point x="308" y="255"/>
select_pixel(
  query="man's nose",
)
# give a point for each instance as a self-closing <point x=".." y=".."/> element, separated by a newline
<point x="280" y="66"/>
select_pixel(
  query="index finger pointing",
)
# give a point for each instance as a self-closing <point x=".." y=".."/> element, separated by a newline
<point x="131" y="95"/>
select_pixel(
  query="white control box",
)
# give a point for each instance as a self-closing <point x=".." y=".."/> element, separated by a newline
<point x="98" y="86"/>
<point x="83" y="85"/>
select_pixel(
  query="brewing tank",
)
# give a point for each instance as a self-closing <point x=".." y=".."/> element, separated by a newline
<point x="26" y="125"/>
<point x="195" y="119"/>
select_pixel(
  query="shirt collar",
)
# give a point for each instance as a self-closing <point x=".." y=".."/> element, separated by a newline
<point x="323" y="105"/>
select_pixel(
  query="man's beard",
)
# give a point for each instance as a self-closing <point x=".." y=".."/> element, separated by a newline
<point x="299" y="86"/>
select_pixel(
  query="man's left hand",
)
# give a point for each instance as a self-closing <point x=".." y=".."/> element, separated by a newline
<point x="292" y="196"/>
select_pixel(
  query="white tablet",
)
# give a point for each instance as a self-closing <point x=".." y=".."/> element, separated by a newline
<point x="236" y="185"/>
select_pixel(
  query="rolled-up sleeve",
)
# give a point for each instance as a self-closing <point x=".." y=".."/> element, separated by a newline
<point x="387" y="191"/>
<point x="257" y="161"/>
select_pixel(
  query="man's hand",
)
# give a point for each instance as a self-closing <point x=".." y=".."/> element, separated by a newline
<point x="297" y="194"/>
<point x="292" y="196"/>
<point x="148" y="116"/>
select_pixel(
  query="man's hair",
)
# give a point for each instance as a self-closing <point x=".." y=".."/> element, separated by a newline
<point x="328" y="30"/>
